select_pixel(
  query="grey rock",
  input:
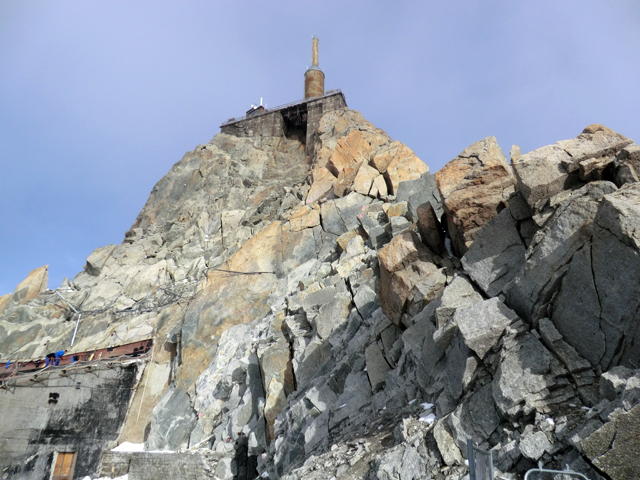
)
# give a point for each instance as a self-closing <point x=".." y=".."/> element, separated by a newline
<point x="553" y="340"/>
<point x="584" y="431"/>
<point x="613" y="382"/>
<point x="524" y="378"/>
<point x="391" y="346"/>
<point x="399" y="224"/>
<point x="475" y="418"/>
<point x="591" y="311"/>
<point x="327" y="251"/>
<point x="418" y="192"/>
<point x="316" y="433"/>
<point x="400" y="463"/>
<point x="172" y="422"/>
<point x="625" y="173"/>
<point x="419" y="343"/>
<point x="548" y="256"/>
<point x="429" y="228"/>
<point x="577" y="317"/>
<point x="546" y="171"/>
<point x="453" y="372"/>
<point x="315" y="356"/>
<point x="534" y="445"/>
<point x="97" y="259"/>
<point x="331" y="220"/>
<point x="459" y="293"/>
<point x="450" y="452"/>
<point x="378" y="237"/>
<point x="322" y="397"/>
<point x="377" y="367"/>
<point x="519" y="207"/>
<point x="496" y="254"/>
<point x="482" y="324"/>
<point x="333" y="314"/>
<point x="356" y="395"/>
<point x="226" y="468"/>
<point x="366" y="301"/>
<point x="308" y="299"/>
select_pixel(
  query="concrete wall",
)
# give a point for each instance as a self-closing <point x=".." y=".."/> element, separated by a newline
<point x="271" y="124"/>
<point x="268" y="124"/>
<point x="315" y="110"/>
<point x="52" y="415"/>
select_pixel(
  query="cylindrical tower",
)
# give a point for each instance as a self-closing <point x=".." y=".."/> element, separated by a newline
<point x="314" y="77"/>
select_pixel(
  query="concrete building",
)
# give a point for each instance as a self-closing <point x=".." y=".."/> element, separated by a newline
<point x="298" y="119"/>
<point x="56" y="424"/>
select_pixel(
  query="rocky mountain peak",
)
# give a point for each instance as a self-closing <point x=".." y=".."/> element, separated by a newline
<point x="334" y="310"/>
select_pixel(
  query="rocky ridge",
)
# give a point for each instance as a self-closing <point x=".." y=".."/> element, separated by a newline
<point x="310" y="324"/>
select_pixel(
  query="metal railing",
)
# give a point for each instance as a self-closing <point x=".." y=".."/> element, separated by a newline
<point x="553" y="475"/>
<point x="480" y="462"/>
<point x="280" y="107"/>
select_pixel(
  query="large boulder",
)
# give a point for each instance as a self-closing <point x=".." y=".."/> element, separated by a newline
<point x="407" y="269"/>
<point x="474" y="186"/>
<point x="398" y="163"/>
<point x="614" y="447"/>
<point x="97" y="259"/>
<point x="29" y="288"/>
<point x="481" y="324"/>
<point x="419" y="192"/>
<point x="496" y="254"/>
<point x="546" y="171"/>
<point x="528" y="378"/>
<point x="547" y="259"/>
<point x="596" y="307"/>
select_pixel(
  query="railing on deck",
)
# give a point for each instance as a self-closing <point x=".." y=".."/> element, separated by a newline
<point x="543" y="474"/>
<point x="480" y="462"/>
<point x="280" y="107"/>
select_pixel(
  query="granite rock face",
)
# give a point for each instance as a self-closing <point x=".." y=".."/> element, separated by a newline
<point x="309" y="323"/>
<point x="474" y="186"/>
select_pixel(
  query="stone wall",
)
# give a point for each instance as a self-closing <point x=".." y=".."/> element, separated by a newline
<point x="81" y="411"/>
<point x="199" y="465"/>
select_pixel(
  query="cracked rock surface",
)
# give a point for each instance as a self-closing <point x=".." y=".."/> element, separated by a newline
<point x="308" y="322"/>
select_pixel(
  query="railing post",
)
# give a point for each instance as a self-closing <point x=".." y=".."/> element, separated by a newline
<point x="491" y="464"/>
<point x="471" y="460"/>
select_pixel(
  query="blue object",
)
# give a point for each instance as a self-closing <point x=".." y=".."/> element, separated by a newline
<point x="8" y="363"/>
<point x="59" y="355"/>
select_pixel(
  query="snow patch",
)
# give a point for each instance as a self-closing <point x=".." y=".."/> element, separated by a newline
<point x="428" y="418"/>
<point x="129" y="447"/>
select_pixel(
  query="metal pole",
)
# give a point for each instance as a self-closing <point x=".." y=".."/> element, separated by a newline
<point x="491" y="464"/>
<point x="65" y="301"/>
<point x="75" y="330"/>
<point x="471" y="460"/>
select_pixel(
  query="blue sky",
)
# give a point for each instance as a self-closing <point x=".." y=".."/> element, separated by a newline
<point x="99" y="99"/>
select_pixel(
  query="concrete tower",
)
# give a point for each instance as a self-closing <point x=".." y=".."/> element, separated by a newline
<point x="314" y="77"/>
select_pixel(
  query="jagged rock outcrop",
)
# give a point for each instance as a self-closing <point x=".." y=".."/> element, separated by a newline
<point x="309" y="323"/>
<point x="474" y="186"/>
